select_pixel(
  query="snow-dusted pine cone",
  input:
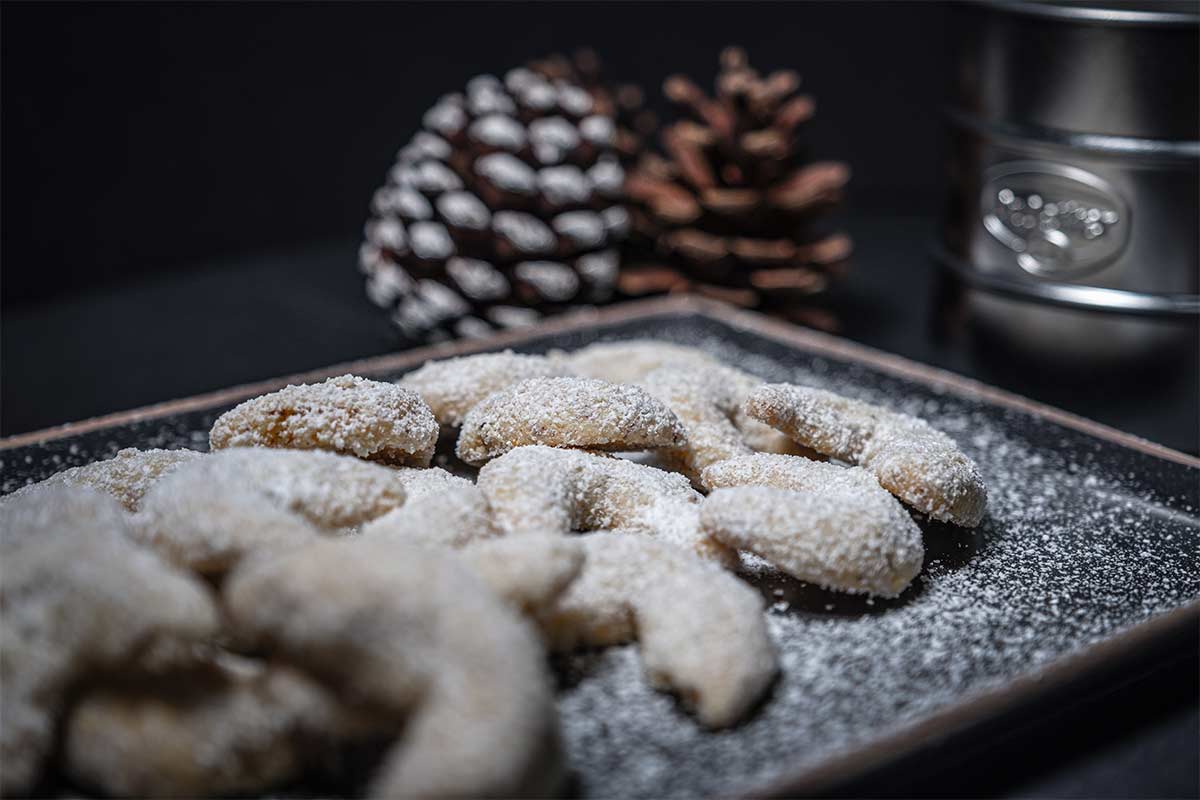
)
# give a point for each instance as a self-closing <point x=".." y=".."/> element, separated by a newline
<point x="505" y="207"/>
<point x="624" y="102"/>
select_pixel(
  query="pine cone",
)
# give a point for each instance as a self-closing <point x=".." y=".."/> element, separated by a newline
<point x="624" y="102"/>
<point x="736" y="210"/>
<point x="505" y="207"/>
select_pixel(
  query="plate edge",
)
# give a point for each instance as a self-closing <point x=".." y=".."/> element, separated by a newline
<point x="957" y="718"/>
<point x="639" y="309"/>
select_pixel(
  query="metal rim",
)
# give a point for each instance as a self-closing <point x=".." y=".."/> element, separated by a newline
<point x="1071" y="295"/>
<point x="1098" y="143"/>
<point x="1105" y="16"/>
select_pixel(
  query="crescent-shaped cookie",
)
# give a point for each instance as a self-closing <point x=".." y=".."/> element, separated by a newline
<point x="452" y="517"/>
<point x="914" y="461"/>
<point x="701" y="630"/>
<point x="126" y="477"/>
<point x="210" y="513"/>
<point x="351" y="415"/>
<point x="706" y="405"/>
<point x="229" y="727"/>
<point x="547" y="490"/>
<point x="453" y="386"/>
<point x="78" y="595"/>
<point x="830" y="525"/>
<point x="567" y="412"/>
<point x="631" y="360"/>
<point x="413" y="631"/>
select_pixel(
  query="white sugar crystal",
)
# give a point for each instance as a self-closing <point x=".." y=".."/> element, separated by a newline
<point x="453" y="386"/>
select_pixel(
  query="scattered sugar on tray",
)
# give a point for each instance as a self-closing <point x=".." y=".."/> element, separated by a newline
<point x="1043" y="579"/>
<point x="1064" y="527"/>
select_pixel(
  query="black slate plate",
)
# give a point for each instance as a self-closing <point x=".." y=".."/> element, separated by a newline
<point x="1090" y="553"/>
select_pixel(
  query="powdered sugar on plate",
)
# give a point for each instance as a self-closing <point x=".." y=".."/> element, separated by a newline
<point x="1082" y="538"/>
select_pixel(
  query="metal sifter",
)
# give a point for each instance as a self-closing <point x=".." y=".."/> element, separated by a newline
<point x="1074" y="172"/>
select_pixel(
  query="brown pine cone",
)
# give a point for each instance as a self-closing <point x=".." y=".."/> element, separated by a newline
<point x="505" y="207"/>
<point x="735" y="209"/>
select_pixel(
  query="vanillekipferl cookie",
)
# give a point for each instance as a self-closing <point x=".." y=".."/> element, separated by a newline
<point x="540" y="489"/>
<point x="453" y="386"/>
<point x="351" y="415"/>
<point x="913" y="460"/>
<point x="567" y="412"/>
<point x="203" y="624"/>
<point x="822" y="523"/>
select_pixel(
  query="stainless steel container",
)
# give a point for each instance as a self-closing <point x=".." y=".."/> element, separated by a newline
<point x="1075" y="173"/>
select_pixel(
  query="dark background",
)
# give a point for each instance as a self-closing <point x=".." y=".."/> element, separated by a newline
<point x="149" y="137"/>
<point x="183" y="188"/>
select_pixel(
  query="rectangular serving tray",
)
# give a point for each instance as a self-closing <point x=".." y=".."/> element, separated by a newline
<point x="1087" y="558"/>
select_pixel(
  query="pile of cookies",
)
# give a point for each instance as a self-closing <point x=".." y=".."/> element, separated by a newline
<point x="178" y="623"/>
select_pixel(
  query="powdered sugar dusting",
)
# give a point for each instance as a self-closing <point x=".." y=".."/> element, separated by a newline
<point x="705" y="405"/>
<point x="701" y="630"/>
<point x="912" y="459"/>
<point x="567" y="412"/>
<point x="1082" y="539"/>
<point x="127" y="476"/>
<point x="347" y="414"/>
<point x="829" y="525"/>
<point x="453" y="386"/>
<point x="550" y="490"/>
<point x="1070" y="551"/>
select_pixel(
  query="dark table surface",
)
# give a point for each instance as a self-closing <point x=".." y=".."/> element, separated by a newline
<point x="264" y="315"/>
